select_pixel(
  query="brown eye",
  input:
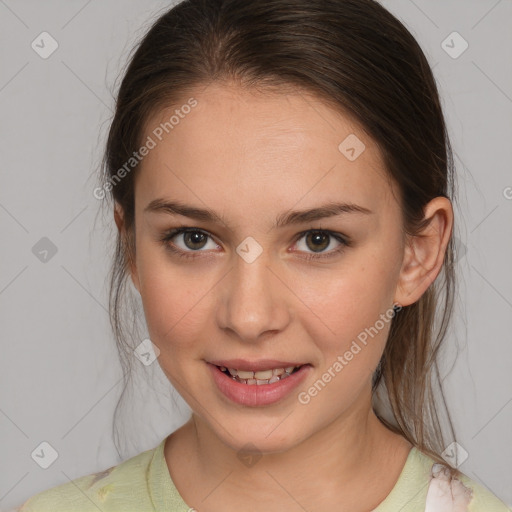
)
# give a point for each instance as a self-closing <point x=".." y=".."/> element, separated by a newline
<point x="317" y="240"/>
<point x="187" y="241"/>
<point x="194" y="239"/>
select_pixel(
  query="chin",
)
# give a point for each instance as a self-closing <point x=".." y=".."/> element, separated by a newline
<point x="262" y="437"/>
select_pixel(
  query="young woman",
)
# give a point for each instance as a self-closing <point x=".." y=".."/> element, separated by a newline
<point x="281" y="179"/>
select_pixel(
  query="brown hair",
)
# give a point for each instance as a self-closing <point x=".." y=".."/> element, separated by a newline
<point x="362" y="61"/>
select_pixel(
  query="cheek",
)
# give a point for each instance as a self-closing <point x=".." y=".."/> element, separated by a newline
<point x="173" y="298"/>
<point x="350" y="311"/>
<point x="349" y="328"/>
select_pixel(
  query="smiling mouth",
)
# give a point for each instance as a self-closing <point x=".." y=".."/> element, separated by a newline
<point x="259" y="377"/>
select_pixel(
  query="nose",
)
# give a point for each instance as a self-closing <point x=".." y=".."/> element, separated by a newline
<point x="254" y="302"/>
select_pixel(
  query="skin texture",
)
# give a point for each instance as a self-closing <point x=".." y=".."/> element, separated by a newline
<point x="251" y="156"/>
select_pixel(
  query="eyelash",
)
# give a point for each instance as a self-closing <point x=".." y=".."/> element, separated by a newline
<point x="310" y="256"/>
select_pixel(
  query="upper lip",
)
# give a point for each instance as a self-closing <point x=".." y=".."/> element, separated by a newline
<point x="254" y="366"/>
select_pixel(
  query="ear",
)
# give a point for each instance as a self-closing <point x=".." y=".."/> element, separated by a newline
<point x="424" y="254"/>
<point x="119" y="219"/>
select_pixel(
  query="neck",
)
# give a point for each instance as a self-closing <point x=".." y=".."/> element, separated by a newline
<point x="338" y="460"/>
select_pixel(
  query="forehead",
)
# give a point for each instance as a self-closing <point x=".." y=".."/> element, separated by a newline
<point x="273" y="146"/>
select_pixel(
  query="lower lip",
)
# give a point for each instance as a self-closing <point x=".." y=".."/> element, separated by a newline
<point x="257" y="394"/>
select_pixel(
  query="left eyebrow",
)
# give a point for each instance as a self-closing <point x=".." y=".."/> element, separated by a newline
<point x="284" y="219"/>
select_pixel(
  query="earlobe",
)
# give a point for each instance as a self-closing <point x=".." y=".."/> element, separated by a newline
<point x="424" y="253"/>
<point x="119" y="220"/>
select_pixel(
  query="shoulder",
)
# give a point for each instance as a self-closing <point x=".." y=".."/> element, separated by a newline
<point x="108" y="490"/>
<point x="459" y="494"/>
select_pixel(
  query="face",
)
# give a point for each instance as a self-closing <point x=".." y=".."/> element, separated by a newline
<point x="257" y="282"/>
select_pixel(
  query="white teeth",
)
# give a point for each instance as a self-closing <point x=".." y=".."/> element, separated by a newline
<point x="245" y="375"/>
<point x="260" y="377"/>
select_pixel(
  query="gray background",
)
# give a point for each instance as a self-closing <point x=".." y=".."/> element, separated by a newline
<point x="60" y="377"/>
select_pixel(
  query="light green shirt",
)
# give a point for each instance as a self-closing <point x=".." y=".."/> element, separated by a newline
<point x="143" y="484"/>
